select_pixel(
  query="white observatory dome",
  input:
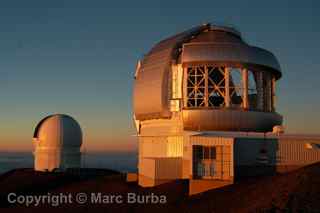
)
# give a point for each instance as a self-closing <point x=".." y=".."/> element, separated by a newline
<point x="57" y="140"/>
<point x="210" y="78"/>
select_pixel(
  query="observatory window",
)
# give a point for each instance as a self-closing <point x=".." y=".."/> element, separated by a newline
<point x="196" y="86"/>
<point x="204" y="152"/>
<point x="236" y="87"/>
<point x="216" y="86"/>
<point x="205" y="86"/>
<point x="252" y="90"/>
<point x="208" y="86"/>
<point x="209" y="152"/>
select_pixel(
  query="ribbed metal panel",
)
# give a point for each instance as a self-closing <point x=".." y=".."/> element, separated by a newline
<point x="294" y="151"/>
<point x="210" y="141"/>
<point x="160" y="146"/>
<point x="229" y="120"/>
<point x="175" y="146"/>
<point x="282" y="150"/>
<point x="230" y="53"/>
<point x="152" y="147"/>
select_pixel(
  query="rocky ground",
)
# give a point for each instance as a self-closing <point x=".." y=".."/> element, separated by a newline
<point x="298" y="191"/>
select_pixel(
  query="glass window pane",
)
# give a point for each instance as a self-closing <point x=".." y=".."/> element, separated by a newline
<point x="206" y="152"/>
<point x="216" y="86"/>
<point x="252" y="90"/>
<point x="236" y="88"/>
<point x="213" y="153"/>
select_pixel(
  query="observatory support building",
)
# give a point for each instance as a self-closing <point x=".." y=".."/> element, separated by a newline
<point x="204" y="107"/>
<point x="57" y="140"/>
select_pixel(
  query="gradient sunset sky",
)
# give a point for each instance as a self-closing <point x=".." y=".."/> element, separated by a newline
<point x="78" y="57"/>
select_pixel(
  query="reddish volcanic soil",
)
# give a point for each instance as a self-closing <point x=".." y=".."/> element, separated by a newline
<point x="297" y="191"/>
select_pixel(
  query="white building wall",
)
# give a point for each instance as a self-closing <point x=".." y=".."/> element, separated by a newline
<point x="281" y="150"/>
<point x="147" y="167"/>
<point x="298" y="151"/>
<point x="161" y="148"/>
<point x="48" y="159"/>
<point x="152" y="146"/>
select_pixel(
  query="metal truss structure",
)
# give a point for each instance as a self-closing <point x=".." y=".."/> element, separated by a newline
<point x="208" y="86"/>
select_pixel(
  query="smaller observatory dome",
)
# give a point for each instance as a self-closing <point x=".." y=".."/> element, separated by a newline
<point x="58" y="131"/>
<point x="57" y="140"/>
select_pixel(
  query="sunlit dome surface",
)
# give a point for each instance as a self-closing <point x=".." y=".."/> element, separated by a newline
<point x="212" y="77"/>
<point x="58" y="131"/>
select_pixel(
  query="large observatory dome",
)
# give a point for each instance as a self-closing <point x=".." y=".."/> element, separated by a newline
<point x="212" y="77"/>
<point x="57" y="140"/>
<point x="204" y="105"/>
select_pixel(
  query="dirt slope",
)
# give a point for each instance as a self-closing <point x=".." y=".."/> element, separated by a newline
<point x="297" y="191"/>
